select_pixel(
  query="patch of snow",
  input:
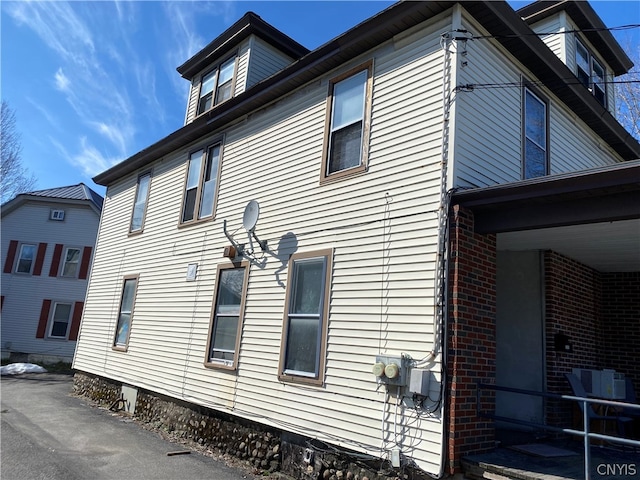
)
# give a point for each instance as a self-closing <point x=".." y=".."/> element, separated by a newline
<point x="18" y="368"/>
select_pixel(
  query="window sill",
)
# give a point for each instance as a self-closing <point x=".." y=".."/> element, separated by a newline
<point x="342" y="174"/>
<point x="136" y="233"/>
<point x="195" y="222"/>
<point x="300" y="380"/>
<point x="120" y="349"/>
<point x="220" y="366"/>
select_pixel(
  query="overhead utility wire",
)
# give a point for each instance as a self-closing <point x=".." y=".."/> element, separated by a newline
<point x="472" y="86"/>
<point x="544" y="34"/>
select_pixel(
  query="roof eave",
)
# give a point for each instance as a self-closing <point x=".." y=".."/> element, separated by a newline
<point x="497" y="17"/>
<point x="249" y="24"/>
<point x="588" y="20"/>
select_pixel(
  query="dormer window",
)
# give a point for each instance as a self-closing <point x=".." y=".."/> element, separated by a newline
<point x="216" y="86"/>
<point x="591" y="73"/>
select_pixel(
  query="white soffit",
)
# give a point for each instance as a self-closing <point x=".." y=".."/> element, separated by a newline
<point x="606" y="247"/>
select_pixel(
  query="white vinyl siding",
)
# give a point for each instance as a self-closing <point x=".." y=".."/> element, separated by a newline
<point x="554" y="26"/>
<point x="264" y="61"/>
<point x="381" y="226"/>
<point x="488" y="124"/>
<point x="20" y="315"/>
<point x="256" y="60"/>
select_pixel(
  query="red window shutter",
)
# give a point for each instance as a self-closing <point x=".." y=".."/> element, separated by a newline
<point x="75" y="320"/>
<point x="84" y="264"/>
<point x="42" y="249"/>
<point x="11" y="256"/>
<point x="55" y="261"/>
<point x="44" y="317"/>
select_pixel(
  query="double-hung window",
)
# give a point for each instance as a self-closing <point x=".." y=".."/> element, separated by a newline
<point x="140" y="203"/>
<point x="347" y="125"/>
<point x="535" y="134"/>
<point x="217" y="85"/>
<point x="60" y="320"/>
<point x="202" y="184"/>
<point x="227" y="315"/>
<point x="591" y="73"/>
<point x="71" y="262"/>
<point x="305" y="321"/>
<point x="26" y="259"/>
<point x="125" y="313"/>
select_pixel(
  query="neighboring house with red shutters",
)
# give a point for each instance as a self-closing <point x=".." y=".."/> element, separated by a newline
<point x="48" y="237"/>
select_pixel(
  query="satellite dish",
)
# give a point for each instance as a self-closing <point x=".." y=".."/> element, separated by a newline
<point x="250" y="216"/>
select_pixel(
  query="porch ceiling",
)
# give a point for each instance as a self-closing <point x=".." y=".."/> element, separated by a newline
<point x="606" y="246"/>
<point x="592" y="216"/>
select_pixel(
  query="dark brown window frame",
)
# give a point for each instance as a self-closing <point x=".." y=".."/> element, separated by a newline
<point x="536" y="93"/>
<point x="364" y="153"/>
<point x="125" y="347"/>
<point x="181" y="222"/>
<point x="216" y="69"/>
<point x="148" y="173"/>
<point x="324" y="319"/>
<point x="245" y="284"/>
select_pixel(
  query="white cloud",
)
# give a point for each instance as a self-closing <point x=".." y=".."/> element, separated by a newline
<point x="89" y="159"/>
<point x="62" y="81"/>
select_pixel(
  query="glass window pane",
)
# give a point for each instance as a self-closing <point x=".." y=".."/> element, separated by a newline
<point x="535" y="120"/>
<point x="127" y="295"/>
<point x="348" y="100"/>
<point x="345" y="149"/>
<point x="59" y="329"/>
<point x="71" y="262"/>
<point x="62" y="312"/>
<point x="224" y="334"/>
<point x="302" y="345"/>
<point x="208" y="82"/>
<point x="210" y="180"/>
<point x="27" y="253"/>
<point x="224" y="92"/>
<point x="535" y="164"/>
<point x="226" y="71"/>
<point x="124" y="322"/>
<point x="230" y="291"/>
<point x="195" y="163"/>
<point x="308" y="286"/>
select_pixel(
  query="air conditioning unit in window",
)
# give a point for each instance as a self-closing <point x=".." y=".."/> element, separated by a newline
<point x="612" y="385"/>
<point x="590" y="380"/>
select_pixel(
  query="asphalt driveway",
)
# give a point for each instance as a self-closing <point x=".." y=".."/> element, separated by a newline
<point x="47" y="434"/>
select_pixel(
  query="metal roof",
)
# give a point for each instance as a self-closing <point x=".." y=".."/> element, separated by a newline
<point x="79" y="192"/>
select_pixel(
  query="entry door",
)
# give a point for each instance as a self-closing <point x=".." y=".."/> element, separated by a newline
<point x="519" y="335"/>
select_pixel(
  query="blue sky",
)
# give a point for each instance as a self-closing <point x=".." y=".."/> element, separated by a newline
<point x="92" y="83"/>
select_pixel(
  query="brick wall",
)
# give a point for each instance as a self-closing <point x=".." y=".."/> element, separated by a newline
<point x="471" y="339"/>
<point x="573" y="304"/>
<point x="620" y="327"/>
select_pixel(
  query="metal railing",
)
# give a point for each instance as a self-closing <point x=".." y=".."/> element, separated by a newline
<point x="585" y="406"/>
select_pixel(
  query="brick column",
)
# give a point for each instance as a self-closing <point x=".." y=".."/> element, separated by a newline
<point x="471" y="341"/>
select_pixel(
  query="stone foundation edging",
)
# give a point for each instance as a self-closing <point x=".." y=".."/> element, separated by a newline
<point x="265" y="450"/>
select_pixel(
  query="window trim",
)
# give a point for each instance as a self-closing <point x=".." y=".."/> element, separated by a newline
<point x="138" y="231"/>
<point x="64" y="261"/>
<point x="366" y="128"/>
<point x="535" y="93"/>
<point x="208" y="362"/>
<point x="591" y="60"/>
<point x="54" y="305"/>
<point x="19" y="256"/>
<point x="318" y="378"/>
<point x="125" y="347"/>
<point x="214" y="95"/>
<point x="199" y="188"/>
